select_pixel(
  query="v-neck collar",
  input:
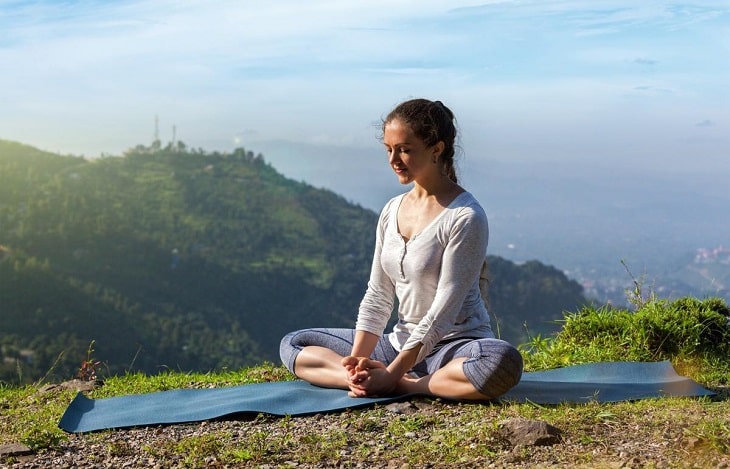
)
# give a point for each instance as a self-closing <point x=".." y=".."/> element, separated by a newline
<point x="430" y="224"/>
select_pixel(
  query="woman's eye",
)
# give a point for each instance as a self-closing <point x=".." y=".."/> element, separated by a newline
<point x="397" y="150"/>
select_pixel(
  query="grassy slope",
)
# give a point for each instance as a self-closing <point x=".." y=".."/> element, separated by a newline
<point x="674" y="432"/>
<point x="441" y="433"/>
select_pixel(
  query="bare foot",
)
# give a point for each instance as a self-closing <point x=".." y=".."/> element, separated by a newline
<point x="409" y="385"/>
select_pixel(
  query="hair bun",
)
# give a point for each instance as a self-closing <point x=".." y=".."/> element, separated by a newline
<point x="446" y="109"/>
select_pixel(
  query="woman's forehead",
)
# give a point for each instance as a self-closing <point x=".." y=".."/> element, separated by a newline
<point x="396" y="131"/>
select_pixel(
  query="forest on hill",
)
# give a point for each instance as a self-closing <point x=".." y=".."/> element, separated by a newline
<point x="174" y="258"/>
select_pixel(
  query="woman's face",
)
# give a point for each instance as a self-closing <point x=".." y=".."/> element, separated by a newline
<point x="408" y="155"/>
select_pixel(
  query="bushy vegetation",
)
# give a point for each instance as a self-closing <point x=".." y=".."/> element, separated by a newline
<point x="166" y="258"/>
<point x="693" y="333"/>
<point x="176" y="258"/>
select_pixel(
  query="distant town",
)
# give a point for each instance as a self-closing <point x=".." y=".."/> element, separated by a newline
<point x="705" y="273"/>
<point x="718" y="255"/>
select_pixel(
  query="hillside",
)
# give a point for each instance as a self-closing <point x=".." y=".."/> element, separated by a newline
<point x="168" y="257"/>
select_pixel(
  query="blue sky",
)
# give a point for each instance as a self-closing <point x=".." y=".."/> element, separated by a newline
<point x="592" y="131"/>
<point x="642" y="84"/>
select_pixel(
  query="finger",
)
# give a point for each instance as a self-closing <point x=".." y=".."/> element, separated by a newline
<point x="359" y="375"/>
<point x="357" y="392"/>
<point x="362" y="363"/>
<point x="350" y="361"/>
<point x="368" y="364"/>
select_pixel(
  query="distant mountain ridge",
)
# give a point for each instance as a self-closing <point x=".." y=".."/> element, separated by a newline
<point x="169" y="257"/>
<point x="583" y="216"/>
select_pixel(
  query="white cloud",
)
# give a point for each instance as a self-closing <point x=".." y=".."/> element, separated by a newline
<point x="89" y="77"/>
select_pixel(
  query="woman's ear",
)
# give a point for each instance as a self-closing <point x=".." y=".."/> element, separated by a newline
<point x="438" y="148"/>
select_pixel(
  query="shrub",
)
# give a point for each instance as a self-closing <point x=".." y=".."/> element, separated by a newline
<point x="684" y="330"/>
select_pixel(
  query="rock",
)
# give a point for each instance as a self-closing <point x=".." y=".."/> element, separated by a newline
<point x="402" y="408"/>
<point x="74" y="385"/>
<point x="14" y="450"/>
<point x="523" y="432"/>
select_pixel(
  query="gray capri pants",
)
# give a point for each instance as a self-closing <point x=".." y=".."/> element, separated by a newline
<point x="493" y="366"/>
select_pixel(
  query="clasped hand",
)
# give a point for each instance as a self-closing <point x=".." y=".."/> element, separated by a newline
<point x="368" y="378"/>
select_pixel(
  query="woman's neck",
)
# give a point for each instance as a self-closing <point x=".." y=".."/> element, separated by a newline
<point x="442" y="188"/>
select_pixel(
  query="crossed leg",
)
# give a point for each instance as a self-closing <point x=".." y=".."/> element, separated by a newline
<point x="492" y="364"/>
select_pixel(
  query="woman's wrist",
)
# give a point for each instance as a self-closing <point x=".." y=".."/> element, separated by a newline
<point x="403" y="363"/>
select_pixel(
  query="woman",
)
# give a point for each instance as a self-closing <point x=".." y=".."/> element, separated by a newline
<point x="429" y="253"/>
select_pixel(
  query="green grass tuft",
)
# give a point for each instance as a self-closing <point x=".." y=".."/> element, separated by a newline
<point x="694" y="334"/>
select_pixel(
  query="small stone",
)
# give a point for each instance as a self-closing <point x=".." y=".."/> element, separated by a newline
<point x="693" y="442"/>
<point x="524" y="432"/>
<point x="73" y="385"/>
<point x="14" y="450"/>
<point x="401" y="408"/>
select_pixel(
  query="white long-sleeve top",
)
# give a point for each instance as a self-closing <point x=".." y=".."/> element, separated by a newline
<point x="435" y="276"/>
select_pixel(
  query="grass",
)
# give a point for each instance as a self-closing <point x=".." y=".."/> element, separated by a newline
<point x="693" y="334"/>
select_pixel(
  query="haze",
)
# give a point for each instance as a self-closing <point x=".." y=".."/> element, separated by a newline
<point x="602" y="101"/>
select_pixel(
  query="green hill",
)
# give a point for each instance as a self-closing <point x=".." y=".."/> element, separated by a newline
<point x="168" y="257"/>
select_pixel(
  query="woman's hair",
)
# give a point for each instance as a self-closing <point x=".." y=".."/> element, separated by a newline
<point x="432" y="122"/>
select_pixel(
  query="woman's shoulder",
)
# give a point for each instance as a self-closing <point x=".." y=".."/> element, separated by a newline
<point x="466" y="202"/>
<point x="465" y="210"/>
<point x="465" y="198"/>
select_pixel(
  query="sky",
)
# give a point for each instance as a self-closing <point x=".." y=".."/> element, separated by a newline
<point x="645" y="83"/>
<point x="639" y="88"/>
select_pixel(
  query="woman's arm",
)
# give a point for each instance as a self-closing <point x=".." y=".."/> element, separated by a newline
<point x="364" y="344"/>
<point x="377" y="303"/>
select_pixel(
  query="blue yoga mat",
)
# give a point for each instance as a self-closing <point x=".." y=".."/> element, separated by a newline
<point x="602" y="382"/>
